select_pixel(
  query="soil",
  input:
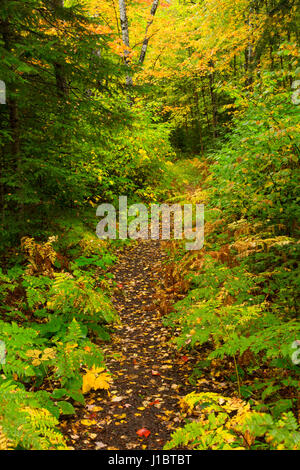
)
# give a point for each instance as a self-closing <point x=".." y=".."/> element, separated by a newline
<point x="149" y="375"/>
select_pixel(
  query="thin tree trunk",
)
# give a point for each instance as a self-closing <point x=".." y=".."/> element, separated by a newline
<point x="213" y="103"/>
<point x="116" y="17"/>
<point x="198" y="123"/>
<point x="249" y="54"/>
<point x="234" y="66"/>
<point x="11" y="99"/>
<point x="125" y="36"/>
<point x="146" y="39"/>
<point x="60" y="77"/>
<point x="204" y="104"/>
<point x="14" y="122"/>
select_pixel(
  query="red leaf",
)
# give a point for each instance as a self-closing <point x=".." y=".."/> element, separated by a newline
<point x="185" y="358"/>
<point x="155" y="372"/>
<point x="143" y="432"/>
<point x="155" y="402"/>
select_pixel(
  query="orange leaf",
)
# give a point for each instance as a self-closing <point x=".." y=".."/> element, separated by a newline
<point x="143" y="432"/>
<point x="184" y="358"/>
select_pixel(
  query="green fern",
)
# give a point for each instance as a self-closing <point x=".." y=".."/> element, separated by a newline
<point x="25" y="423"/>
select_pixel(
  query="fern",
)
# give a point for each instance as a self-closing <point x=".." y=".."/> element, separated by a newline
<point x="5" y="442"/>
<point x="25" y="424"/>
<point x="77" y="298"/>
<point x="222" y="423"/>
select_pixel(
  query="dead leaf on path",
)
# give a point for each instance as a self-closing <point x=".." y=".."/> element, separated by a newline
<point x="100" y="445"/>
<point x="117" y="399"/>
<point x="184" y="358"/>
<point x="155" y="402"/>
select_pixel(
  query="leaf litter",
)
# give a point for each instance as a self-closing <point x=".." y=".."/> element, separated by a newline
<point x="148" y="375"/>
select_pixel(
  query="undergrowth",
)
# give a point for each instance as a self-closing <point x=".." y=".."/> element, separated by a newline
<point x="55" y="314"/>
<point x="236" y="300"/>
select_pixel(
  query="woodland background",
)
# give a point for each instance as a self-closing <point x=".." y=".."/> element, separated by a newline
<point x="178" y="101"/>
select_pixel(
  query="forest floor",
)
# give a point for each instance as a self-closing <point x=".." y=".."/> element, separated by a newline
<point x="149" y="375"/>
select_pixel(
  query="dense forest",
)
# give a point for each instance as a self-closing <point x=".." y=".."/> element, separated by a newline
<point x="134" y="344"/>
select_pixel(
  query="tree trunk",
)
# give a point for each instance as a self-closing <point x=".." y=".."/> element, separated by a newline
<point x="146" y="39"/>
<point x="61" y="82"/>
<point x="11" y="99"/>
<point x="14" y="124"/>
<point x="125" y="36"/>
<point x="213" y="103"/>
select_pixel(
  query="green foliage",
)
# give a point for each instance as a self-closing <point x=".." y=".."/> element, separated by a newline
<point x="243" y="296"/>
<point x="73" y="135"/>
<point x="25" y="422"/>
<point x="74" y="141"/>
<point x="18" y="341"/>
<point x="32" y="355"/>
<point x="78" y="298"/>
<point x="106" y="260"/>
<point x="6" y="285"/>
<point x="36" y="290"/>
<point x="228" y="423"/>
<point x="258" y="166"/>
<point x="51" y="345"/>
<point x="281" y="434"/>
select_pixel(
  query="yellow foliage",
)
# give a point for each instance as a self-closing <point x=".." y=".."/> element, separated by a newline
<point x="95" y="378"/>
<point x="246" y="246"/>
<point x="5" y="443"/>
<point x="41" y="256"/>
<point x="39" y="356"/>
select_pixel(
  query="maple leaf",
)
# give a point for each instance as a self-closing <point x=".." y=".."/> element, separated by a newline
<point x="103" y="381"/>
<point x="95" y="378"/>
<point x="143" y="432"/>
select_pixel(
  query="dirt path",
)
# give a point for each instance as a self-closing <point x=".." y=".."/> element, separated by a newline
<point x="149" y="375"/>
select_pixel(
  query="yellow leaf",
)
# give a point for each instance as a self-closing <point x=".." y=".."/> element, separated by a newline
<point x="95" y="379"/>
<point x="88" y="382"/>
<point x="88" y="422"/>
<point x="103" y="381"/>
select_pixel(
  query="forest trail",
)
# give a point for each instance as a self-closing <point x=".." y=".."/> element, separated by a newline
<point x="149" y="375"/>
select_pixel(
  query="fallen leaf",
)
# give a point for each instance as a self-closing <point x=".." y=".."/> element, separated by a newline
<point x="100" y="445"/>
<point x="117" y="399"/>
<point x="143" y="432"/>
<point x="88" y="422"/>
<point x="185" y="358"/>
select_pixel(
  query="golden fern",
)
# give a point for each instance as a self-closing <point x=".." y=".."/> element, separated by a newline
<point x="5" y="442"/>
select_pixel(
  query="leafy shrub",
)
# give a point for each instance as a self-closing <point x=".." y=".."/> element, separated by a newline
<point x="25" y="423"/>
<point x="228" y="423"/>
<point x="241" y="291"/>
<point x="78" y="298"/>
